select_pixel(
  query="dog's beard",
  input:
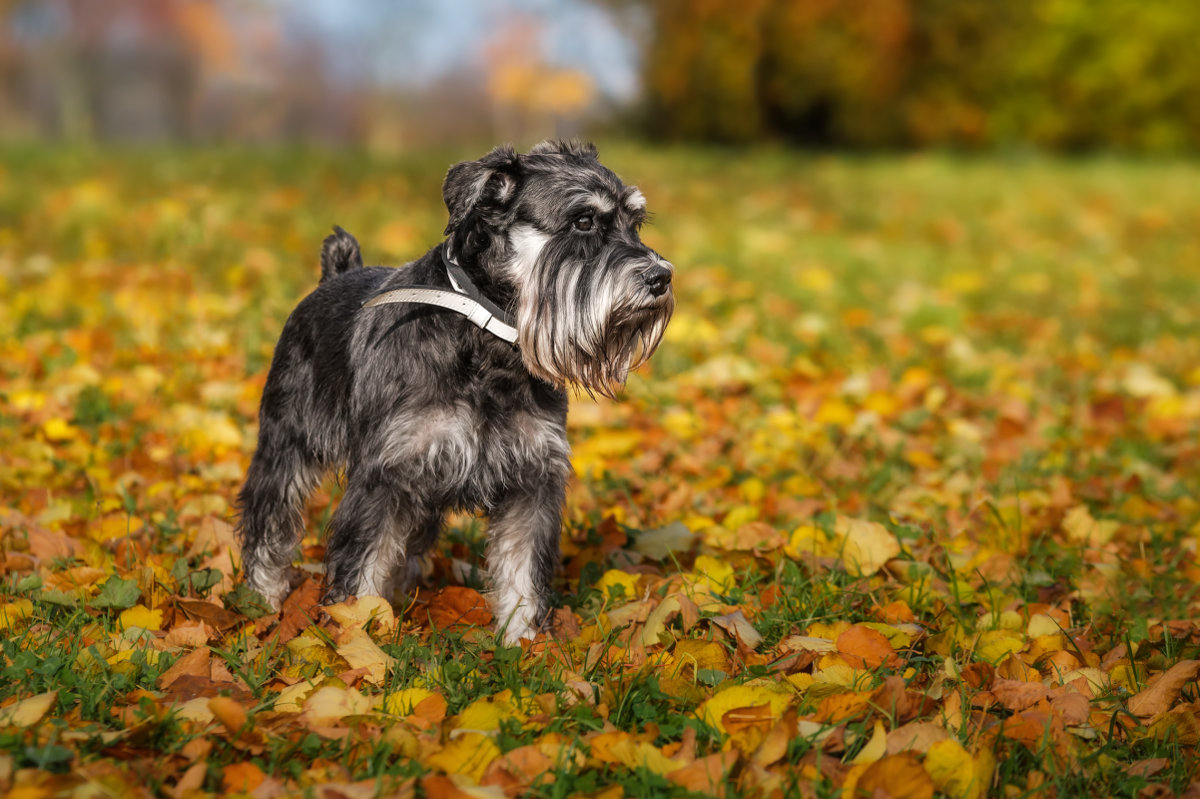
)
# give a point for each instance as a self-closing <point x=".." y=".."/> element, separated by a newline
<point x="587" y="324"/>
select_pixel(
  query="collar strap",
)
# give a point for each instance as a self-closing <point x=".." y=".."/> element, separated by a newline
<point x="466" y="299"/>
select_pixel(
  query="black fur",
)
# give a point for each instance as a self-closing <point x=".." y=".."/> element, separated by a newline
<point x="425" y="411"/>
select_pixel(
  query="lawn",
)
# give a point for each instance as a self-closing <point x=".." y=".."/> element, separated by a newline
<point x="906" y="504"/>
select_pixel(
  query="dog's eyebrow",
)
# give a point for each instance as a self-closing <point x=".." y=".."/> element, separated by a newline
<point x="600" y="202"/>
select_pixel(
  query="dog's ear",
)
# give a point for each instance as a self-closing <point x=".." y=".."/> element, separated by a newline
<point x="486" y="186"/>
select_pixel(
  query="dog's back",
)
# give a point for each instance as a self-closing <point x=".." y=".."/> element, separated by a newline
<point x="339" y="254"/>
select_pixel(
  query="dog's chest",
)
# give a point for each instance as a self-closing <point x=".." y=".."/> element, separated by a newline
<point x="469" y="451"/>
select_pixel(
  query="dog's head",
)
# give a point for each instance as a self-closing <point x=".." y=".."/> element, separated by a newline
<point x="560" y="231"/>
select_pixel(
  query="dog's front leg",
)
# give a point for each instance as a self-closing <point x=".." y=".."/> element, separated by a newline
<point x="371" y="533"/>
<point x="522" y="557"/>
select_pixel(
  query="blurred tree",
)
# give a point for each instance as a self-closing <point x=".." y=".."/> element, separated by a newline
<point x="1068" y="74"/>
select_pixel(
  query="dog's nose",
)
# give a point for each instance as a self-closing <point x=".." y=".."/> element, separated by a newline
<point x="658" y="279"/>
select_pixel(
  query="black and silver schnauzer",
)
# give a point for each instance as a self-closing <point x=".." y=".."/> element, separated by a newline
<point x="443" y="384"/>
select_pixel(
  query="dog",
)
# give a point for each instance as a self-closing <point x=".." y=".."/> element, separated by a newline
<point x="443" y="384"/>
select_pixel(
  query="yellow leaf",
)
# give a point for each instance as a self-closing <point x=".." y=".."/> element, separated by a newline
<point x="621" y="747"/>
<point x="330" y="704"/>
<point x="13" y="612"/>
<point x="114" y="526"/>
<point x="361" y="611"/>
<point x="196" y="710"/>
<point x="291" y="699"/>
<point x="357" y="649"/>
<point x="718" y="572"/>
<point x="402" y="702"/>
<point x="615" y="577"/>
<point x="807" y="540"/>
<point x="1081" y="528"/>
<point x="714" y="708"/>
<point x="691" y="656"/>
<point x="656" y="622"/>
<point x="995" y="645"/>
<point x="956" y="773"/>
<point x="866" y="546"/>
<point x="739" y="515"/>
<point x="58" y="430"/>
<point x="29" y="711"/>
<point x="486" y="713"/>
<point x="876" y="748"/>
<point x="468" y="754"/>
<point x="141" y="616"/>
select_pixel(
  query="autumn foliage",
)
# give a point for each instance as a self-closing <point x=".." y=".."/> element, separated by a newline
<point x="905" y="505"/>
<point x="1067" y="74"/>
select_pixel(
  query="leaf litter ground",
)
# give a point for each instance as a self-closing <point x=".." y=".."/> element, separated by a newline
<point x="907" y="503"/>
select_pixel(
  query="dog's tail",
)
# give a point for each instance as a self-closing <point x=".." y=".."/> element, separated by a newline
<point x="339" y="254"/>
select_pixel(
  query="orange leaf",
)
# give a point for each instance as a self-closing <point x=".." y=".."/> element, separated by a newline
<point x="863" y="647"/>
<point x="748" y="726"/>
<point x="707" y="776"/>
<point x="1161" y="694"/>
<point x="898" y="776"/>
<point x="231" y="714"/>
<point x="457" y="605"/>
<point x="242" y="777"/>
<point x="840" y="707"/>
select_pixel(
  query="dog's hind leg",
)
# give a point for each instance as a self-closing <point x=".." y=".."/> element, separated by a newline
<point x="271" y="505"/>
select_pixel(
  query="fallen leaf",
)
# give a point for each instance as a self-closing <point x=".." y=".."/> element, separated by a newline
<point x="468" y="754"/>
<point x="358" y="649"/>
<point x="712" y="710"/>
<point x="864" y="648"/>
<point x="456" y="605"/>
<point x="330" y="705"/>
<point x="897" y="776"/>
<point x="956" y="773"/>
<point x="1162" y="692"/>
<point x="707" y="776"/>
<point x="28" y="712"/>
<point x="866" y="545"/>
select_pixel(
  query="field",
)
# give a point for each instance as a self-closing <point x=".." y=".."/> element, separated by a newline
<point x="906" y="504"/>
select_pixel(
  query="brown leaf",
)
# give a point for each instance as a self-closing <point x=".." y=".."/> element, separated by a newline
<point x="299" y="610"/>
<point x="210" y="613"/>
<point x="1160" y="694"/>
<point x="707" y="775"/>
<point x="775" y="744"/>
<point x="897" y="776"/>
<point x="195" y="663"/>
<point x="894" y="698"/>
<point x="1016" y="695"/>
<point x="1073" y="708"/>
<point x="457" y="605"/>
<point x="748" y="726"/>
<point x="916" y="737"/>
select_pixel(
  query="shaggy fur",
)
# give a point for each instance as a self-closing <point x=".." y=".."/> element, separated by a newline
<point x="426" y="412"/>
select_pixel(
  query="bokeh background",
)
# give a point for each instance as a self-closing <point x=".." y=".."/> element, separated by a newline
<point x="937" y="304"/>
<point x="1066" y="75"/>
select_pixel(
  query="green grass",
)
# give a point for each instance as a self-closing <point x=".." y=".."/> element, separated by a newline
<point x="964" y="350"/>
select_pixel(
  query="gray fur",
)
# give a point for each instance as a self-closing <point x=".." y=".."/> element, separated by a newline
<point x="427" y="413"/>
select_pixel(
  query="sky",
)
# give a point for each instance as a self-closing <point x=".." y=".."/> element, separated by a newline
<point x="410" y="42"/>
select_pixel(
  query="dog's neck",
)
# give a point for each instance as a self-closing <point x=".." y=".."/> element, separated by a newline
<point x="483" y="287"/>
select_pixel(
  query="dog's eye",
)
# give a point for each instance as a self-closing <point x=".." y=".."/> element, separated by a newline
<point x="583" y="223"/>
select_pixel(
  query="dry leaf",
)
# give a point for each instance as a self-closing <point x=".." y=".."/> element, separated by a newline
<point x="1164" y="690"/>
<point x="28" y="712"/>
